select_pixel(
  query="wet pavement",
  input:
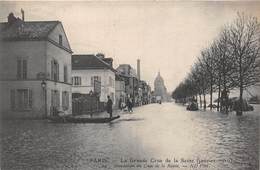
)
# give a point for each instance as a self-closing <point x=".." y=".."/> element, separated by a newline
<point x="143" y="139"/>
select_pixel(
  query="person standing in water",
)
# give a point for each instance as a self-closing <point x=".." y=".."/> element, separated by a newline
<point x="109" y="106"/>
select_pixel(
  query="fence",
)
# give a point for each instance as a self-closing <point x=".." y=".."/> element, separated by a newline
<point x="86" y="104"/>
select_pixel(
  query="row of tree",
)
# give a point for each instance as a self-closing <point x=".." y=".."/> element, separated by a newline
<point x="230" y="62"/>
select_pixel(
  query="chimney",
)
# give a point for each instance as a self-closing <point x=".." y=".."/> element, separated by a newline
<point x="108" y="61"/>
<point x="22" y="11"/>
<point x="138" y="69"/>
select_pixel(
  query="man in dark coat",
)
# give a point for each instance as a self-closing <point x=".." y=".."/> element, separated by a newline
<point x="109" y="106"/>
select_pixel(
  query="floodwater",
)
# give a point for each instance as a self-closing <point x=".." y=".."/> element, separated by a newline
<point x="154" y="136"/>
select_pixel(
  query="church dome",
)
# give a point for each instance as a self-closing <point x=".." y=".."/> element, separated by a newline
<point x="158" y="78"/>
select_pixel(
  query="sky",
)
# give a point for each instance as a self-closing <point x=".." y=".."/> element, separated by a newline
<point x="165" y="36"/>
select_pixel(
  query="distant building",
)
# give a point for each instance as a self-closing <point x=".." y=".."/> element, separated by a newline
<point x="35" y="68"/>
<point x="93" y="73"/>
<point x="120" y="90"/>
<point x="145" y="92"/>
<point x="160" y="90"/>
<point x="131" y="81"/>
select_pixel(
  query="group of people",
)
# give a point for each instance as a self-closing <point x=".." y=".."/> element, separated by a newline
<point x="128" y="106"/>
<point x="122" y="105"/>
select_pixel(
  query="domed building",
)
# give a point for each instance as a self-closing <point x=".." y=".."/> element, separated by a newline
<point x="159" y="88"/>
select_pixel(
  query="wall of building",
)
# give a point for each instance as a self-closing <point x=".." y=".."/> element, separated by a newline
<point x="37" y="99"/>
<point x="33" y="51"/>
<point x="50" y="85"/>
<point x="86" y="86"/>
<point x="55" y="53"/>
<point x="120" y="92"/>
<point x="38" y="55"/>
<point x="54" y="35"/>
<point x="63" y="58"/>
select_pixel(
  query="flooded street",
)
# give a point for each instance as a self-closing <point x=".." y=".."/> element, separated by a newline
<point x="151" y="132"/>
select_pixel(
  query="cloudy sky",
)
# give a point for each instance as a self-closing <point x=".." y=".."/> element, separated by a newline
<point x="165" y="36"/>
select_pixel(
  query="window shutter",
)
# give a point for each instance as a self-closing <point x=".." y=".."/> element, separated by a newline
<point x="52" y="70"/>
<point x="12" y="99"/>
<point x="65" y="74"/>
<point x="19" y="69"/>
<point x="58" y="98"/>
<point x="30" y="98"/>
<point x="68" y="98"/>
<point x="58" y="72"/>
<point x="24" y="69"/>
<point x="79" y="80"/>
<point x="63" y="99"/>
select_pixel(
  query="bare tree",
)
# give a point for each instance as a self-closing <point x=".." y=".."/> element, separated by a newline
<point x="245" y="48"/>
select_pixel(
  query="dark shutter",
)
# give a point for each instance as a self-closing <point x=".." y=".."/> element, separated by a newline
<point x="63" y="99"/>
<point x="58" y="98"/>
<point x="65" y="74"/>
<point x="12" y="99"/>
<point x="24" y="69"/>
<point x="19" y="69"/>
<point x="30" y="99"/>
<point x="52" y="70"/>
<point x="57" y="71"/>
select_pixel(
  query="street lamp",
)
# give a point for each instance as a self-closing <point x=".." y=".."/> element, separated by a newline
<point x="43" y="84"/>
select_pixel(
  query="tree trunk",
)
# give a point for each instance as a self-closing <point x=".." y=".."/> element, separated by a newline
<point x="204" y="98"/>
<point x="240" y="109"/>
<point x="219" y="91"/>
<point x="200" y="101"/>
<point x="211" y="91"/>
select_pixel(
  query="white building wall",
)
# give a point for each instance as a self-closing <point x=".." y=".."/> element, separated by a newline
<point x="86" y="86"/>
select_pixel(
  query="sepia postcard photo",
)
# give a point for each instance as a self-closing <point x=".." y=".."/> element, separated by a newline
<point x="129" y="85"/>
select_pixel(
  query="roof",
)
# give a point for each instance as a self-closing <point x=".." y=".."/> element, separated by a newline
<point x="89" y="61"/>
<point x="158" y="78"/>
<point x="28" y="30"/>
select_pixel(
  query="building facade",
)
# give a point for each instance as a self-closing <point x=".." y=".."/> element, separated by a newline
<point x="93" y="73"/>
<point x="131" y="82"/>
<point x="120" y="91"/>
<point x="36" y="68"/>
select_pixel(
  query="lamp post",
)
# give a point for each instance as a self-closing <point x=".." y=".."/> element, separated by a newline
<point x="43" y="84"/>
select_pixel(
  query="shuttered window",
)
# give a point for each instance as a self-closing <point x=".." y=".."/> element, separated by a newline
<point x="65" y="74"/>
<point x="76" y="81"/>
<point x="54" y="70"/>
<point x="21" y="69"/>
<point x="12" y="99"/>
<point x="24" y="69"/>
<point x="55" y="98"/>
<point x="21" y="99"/>
<point x="95" y="78"/>
<point x="65" y="100"/>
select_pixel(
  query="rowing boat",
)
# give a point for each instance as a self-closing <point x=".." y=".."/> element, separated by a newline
<point x="72" y="119"/>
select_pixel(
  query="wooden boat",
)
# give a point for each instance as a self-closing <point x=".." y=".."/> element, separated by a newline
<point x="72" y="119"/>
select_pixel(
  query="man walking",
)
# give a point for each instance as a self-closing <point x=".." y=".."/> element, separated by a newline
<point x="109" y="106"/>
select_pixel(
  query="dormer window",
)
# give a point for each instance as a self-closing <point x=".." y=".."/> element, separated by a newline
<point x="60" y="39"/>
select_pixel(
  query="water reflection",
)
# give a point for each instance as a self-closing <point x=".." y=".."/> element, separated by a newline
<point x="153" y="131"/>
